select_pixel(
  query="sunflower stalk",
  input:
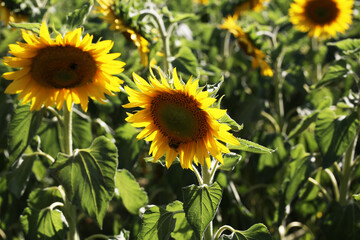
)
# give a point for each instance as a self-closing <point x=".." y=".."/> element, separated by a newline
<point x="69" y="208"/>
<point x="206" y="177"/>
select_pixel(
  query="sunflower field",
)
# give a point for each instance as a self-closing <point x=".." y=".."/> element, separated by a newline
<point x="180" y="119"/>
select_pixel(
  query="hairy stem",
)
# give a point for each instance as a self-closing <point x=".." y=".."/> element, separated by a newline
<point x="206" y="176"/>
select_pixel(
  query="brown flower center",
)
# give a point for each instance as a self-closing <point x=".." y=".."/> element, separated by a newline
<point x="63" y="67"/>
<point x="179" y="118"/>
<point x="321" y="11"/>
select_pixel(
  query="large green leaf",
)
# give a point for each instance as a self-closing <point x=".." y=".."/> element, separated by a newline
<point x="255" y="232"/>
<point x="336" y="72"/>
<point x="200" y="206"/>
<point x="88" y="176"/>
<point x="23" y="127"/>
<point x="334" y="134"/>
<point x="249" y="146"/>
<point x="43" y="224"/>
<point x="348" y="46"/>
<point x="40" y="219"/>
<point x="182" y="228"/>
<point x="19" y="176"/>
<point x="157" y="224"/>
<point x="131" y="194"/>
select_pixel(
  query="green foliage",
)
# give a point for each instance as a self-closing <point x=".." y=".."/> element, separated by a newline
<point x="23" y="127"/>
<point x="200" y="206"/>
<point x="130" y="192"/>
<point x="88" y="176"/>
<point x="334" y="134"/>
<point x="78" y="17"/>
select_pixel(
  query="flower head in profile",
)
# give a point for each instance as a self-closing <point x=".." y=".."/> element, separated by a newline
<point x="68" y="68"/>
<point x="8" y="16"/>
<point x="179" y="121"/>
<point x="321" y="18"/>
<point x="258" y="57"/>
<point x="249" y="5"/>
<point x="106" y="7"/>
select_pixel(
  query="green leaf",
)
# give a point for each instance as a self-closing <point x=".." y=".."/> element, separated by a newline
<point x="131" y="194"/>
<point x="182" y="228"/>
<point x="348" y="46"/>
<point x="185" y="61"/>
<point x="298" y="171"/>
<point x="23" y="127"/>
<point x="19" y="177"/>
<point x="128" y="145"/>
<point x="336" y="72"/>
<point x="356" y="196"/>
<point x="42" y="221"/>
<point x="81" y="130"/>
<point x="255" y="232"/>
<point x="43" y="224"/>
<point x="249" y="146"/>
<point x="232" y="123"/>
<point x="34" y="27"/>
<point x="230" y="161"/>
<point x="78" y="17"/>
<point x="303" y="125"/>
<point x="88" y="176"/>
<point x="200" y="206"/>
<point x="334" y="134"/>
<point x="157" y="224"/>
<point x="49" y="132"/>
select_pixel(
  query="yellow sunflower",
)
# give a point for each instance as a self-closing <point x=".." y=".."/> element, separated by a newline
<point x="321" y="18"/>
<point x="247" y="5"/>
<point x="117" y="24"/>
<point x="6" y="15"/>
<point x="67" y="69"/>
<point x="258" y="57"/>
<point x="178" y="120"/>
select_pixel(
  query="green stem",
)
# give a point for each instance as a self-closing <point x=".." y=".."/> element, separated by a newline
<point x="334" y="183"/>
<point x="279" y="102"/>
<point x="206" y="176"/>
<point x="97" y="236"/>
<point x="163" y="34"/>
<point x="346" y="172"/>
<point x="67" y="130"/>
<point x="69" y="209"/>
<point x="222" y="229"/>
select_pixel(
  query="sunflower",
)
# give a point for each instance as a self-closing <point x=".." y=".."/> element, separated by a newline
<point x="67" y="69"/>
<point x="321" y="18"/>
<point x="6" y="15"/>
<point x="247" y="5"/>
<point x="179" y="121"/>
<point x="258" y="57"/>
<point x="117" y="24"/>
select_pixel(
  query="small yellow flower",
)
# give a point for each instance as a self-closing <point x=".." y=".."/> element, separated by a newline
<point x="117" y="24"/>
<point x="6" y="15"/>
<point x="178" y="120"/>
<point x="321" y="18"/>
<point x="67" y="69"/>
<point x="204" y="2"/>
<point x="247" y="45"/>
<point x="247" y="5"/>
